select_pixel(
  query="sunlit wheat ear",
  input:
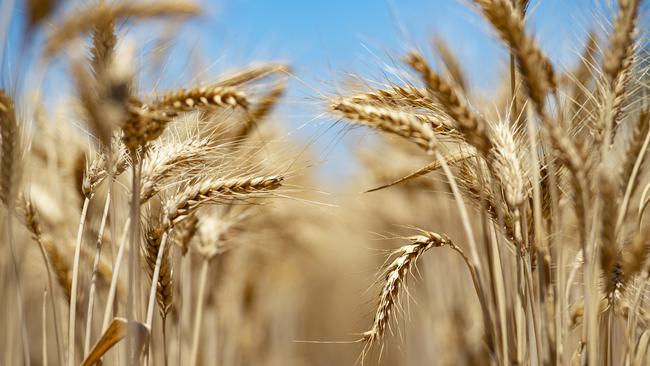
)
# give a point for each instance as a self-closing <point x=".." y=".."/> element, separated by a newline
<point x="609" y="251"/>
<point x="103" y="46"/>
<point x="507" y="165"/>
<point x="10" y="166"/>
<point x="84" y="20"/>
<point x="399" y="96"/>
<point x="395" y="276"/>
<point x="413" y="127"/>
<point x="164" y="287"/>
<point x="97" y="172"/>
<point x="618" y="60"/>
<point x="198" y="98"/>
<point x="621" y="44"/>
<point x="635" y="256"/>
<point x="536" y="69"/>
<point x="472" y="127"/>
<point x="634" y="151"/>
<point x="167" y="159"/>
<point x="103" y="99"/>
<point x="188" y="201"/>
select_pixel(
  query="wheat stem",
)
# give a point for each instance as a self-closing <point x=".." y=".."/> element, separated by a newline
<point x="199" y="312"/>
<point x="475" y="261"/>
<point x="44" y="327"/>
<point x="19" y="292"/>
<point x="154" y="279"/>
<point x="115" y="279"/>
<point x="75" y="277"/>
<point x="134" y="284"/>
<point x="93" y="277"/>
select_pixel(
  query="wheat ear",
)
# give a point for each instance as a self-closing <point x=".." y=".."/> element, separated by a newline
<point x="473" y="128"/>
<point x="10" y="170"/>
<point x="189" y="100"/>
<point x="415" y="128"/>
<point x="395" y="276"/>
<point x="187" y="202"/>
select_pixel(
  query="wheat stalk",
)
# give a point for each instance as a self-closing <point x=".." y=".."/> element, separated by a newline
<point x="10" y="170"/>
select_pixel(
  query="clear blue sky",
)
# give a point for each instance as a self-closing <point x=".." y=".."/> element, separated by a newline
<point x="324" y="40"/>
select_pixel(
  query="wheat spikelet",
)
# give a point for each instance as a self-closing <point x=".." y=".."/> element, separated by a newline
<point x="618" y="59"/>
<point x="103" y="45"/>
<point x="185" y="203"/>
<point x="142" y="125"/>
<point x="414" y="127"/>
<point x="95" y="174"/>
<point x="394" y="280"/>
<point x="399" y="96"/>
<point x="634" y="256"/>
<point x="103" y="100"/>
<point x="164" y="287"/>
<point x="608" y="246"/>
<point x="584" y="71"/>
<point x="472" y="128"/>
<point x="581" y="103"/>
<point x="10" y="139"/>
<point x="506" y="165"/>
<point x="167" y="160"/>
<point x="61" y="268"/>
<point x="621" y="43"/>
<point x="197" y="98"/>
<point x="634" y="147"/>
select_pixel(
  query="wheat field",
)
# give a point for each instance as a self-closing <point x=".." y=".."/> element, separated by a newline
<point x="180" y="226"/>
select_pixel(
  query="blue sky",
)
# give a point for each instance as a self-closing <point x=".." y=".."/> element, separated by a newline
<point x="325" y="40"/>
